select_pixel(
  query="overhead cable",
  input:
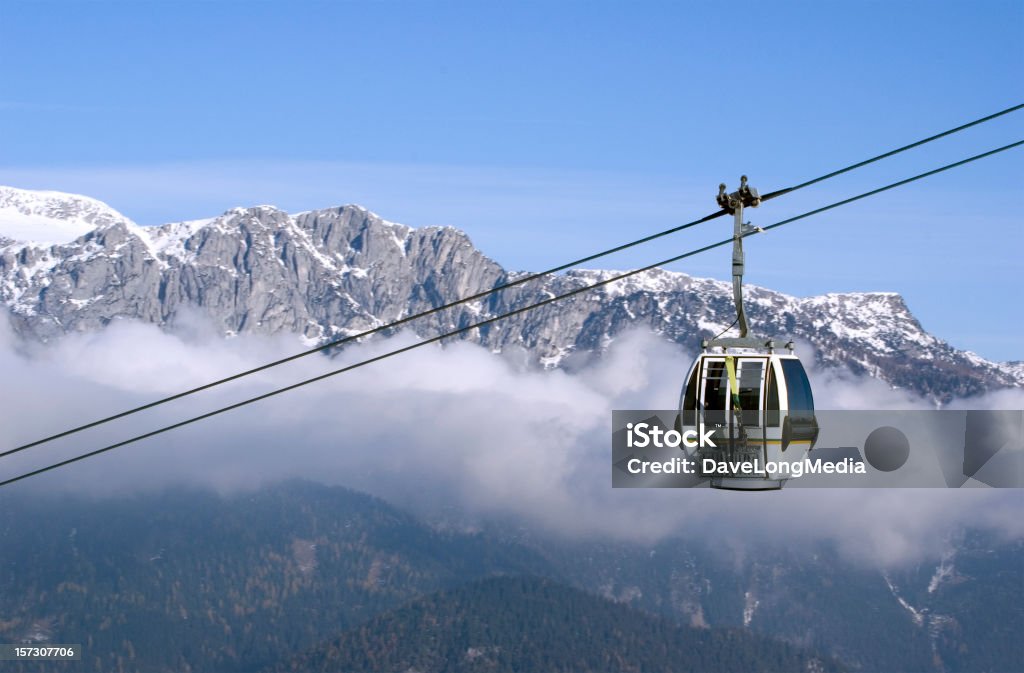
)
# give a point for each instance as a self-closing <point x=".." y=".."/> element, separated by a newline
<point x="485" y="293"/>
<point x="491" y="320"/>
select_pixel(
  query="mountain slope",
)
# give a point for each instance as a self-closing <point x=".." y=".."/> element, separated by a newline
<point x="189" y="581"/>
<point x="335" y="272"/>
<point x="505" y="625"/>
<point x="957" y="614"/>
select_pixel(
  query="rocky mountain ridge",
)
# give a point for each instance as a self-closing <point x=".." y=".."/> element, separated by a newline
<point x="338" y="271"/>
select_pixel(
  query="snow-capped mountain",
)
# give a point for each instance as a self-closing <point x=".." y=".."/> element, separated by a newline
<point x="51" y="217"/>
<point x="338" y="271"/>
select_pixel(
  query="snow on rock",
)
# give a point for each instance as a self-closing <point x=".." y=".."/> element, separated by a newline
<point x="916" y="615"/>
<point x="943" y="572"/>
<point x="46" y="218"/>
<point x="750" y="604"/>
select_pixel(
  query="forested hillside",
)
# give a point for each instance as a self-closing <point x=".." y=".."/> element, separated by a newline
<point x="513" y="624"/>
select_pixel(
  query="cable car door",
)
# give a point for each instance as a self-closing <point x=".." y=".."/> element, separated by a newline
<point x="723" y="391"/>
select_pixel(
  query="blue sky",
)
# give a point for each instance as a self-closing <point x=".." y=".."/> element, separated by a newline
<point x="550" y="130"/>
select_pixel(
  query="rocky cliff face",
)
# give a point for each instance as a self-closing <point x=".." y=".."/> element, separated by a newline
<point x="338" y="271"/>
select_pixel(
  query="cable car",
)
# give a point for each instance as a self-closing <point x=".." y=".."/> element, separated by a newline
<point x="761" y="409"/>
<point x="753" y="403"/>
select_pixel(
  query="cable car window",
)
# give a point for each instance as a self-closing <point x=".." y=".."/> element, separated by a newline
<point x="772" y="399"/>
<point x="750" y="376"/>
<point x="800" y="398"/>
<point x="716" y="391"/>
<point x="690" y="398"/>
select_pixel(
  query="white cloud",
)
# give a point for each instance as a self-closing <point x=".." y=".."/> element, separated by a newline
<point x="435" y="428"/>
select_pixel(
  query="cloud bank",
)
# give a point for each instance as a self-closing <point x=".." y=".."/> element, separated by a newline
<point x="452" y="429"/>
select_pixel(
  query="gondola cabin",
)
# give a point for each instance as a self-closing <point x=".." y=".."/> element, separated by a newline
<point x="752" y="403"/>
<point x="761" y="411"/>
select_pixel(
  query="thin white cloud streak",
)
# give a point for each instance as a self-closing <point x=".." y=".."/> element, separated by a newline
<point x="28" y="106"/>
<point x="454" y="428"/>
